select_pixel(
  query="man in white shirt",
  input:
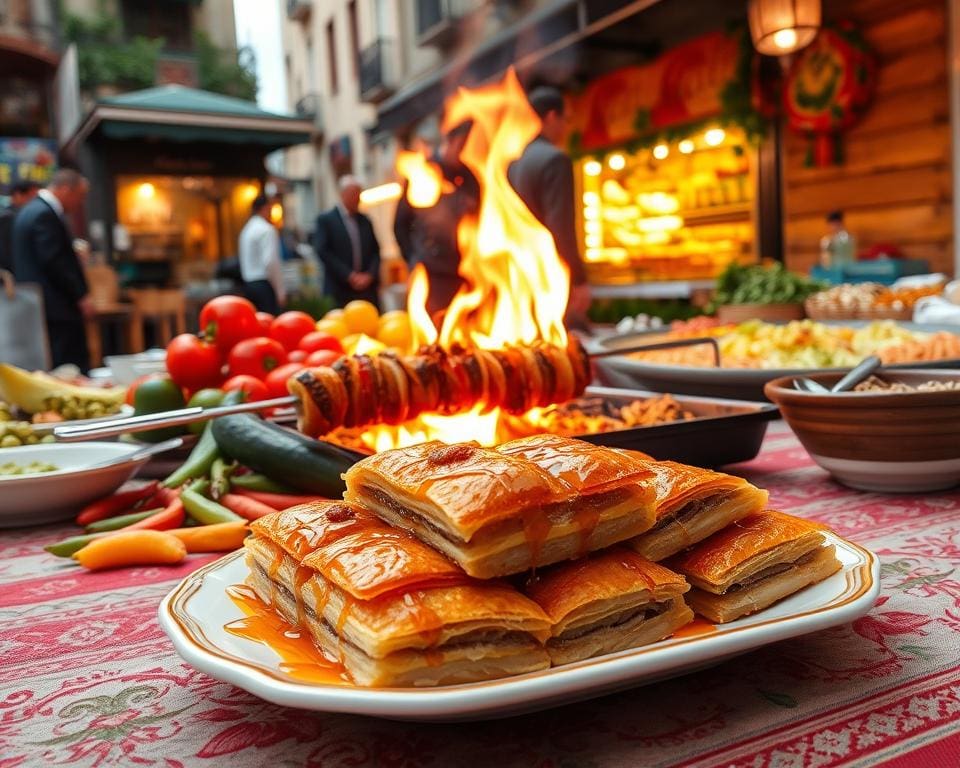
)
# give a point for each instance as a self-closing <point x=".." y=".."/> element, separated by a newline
<point x="260" y="259"/>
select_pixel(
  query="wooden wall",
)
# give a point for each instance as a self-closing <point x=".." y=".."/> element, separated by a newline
<point x="895" y="184"/>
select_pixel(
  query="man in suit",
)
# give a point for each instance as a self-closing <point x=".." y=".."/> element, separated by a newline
<point x="43" y="254"/>
<point x="20" y="194"/>
<point x="543" y="178"/>
<point x="348" y="248"/>
<point x="428" y="236"/>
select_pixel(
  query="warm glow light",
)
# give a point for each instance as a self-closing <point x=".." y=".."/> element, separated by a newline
<point x="276" y="213"/>
<point x="381" y="193"/>
<point x="425" y="182"/>
<point x="593" y="241"/>
<point x="714" y="137"/>
<point x="659" y="202"/>
<point x="146" y="191"/>
<point x="365" y="345"/>
<point x="249" y="191"/>
<point x="592" y="168"/>
<point x="785" y="39"/>
<point x="660" y="224"/>
<point x="591" y="213"/>
<point x="685" y="146"/>
<point x="617" y="162"/>
<point x="591" y="227"/>
<point x="661" y="151"/>
<point x="591" y="198"/>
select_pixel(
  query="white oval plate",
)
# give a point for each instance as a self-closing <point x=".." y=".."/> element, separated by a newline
<point x="195" y="612"/>
<point x="43" y="498"/>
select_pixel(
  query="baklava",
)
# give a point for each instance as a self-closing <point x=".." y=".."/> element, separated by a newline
<point x="608" y="602"/>
<point x="390" y="609"/>
<point x="754" y="563"/>
<point x="692" y="504"/>
<point x="530" y="503"/>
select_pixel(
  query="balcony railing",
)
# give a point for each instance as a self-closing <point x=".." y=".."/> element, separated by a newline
<point x="377" y="71"/>
<point x="438" y="21"/>
<point x="299" y="10"/>
<point x="310" y="107"/>
<point x="30" y="20"/>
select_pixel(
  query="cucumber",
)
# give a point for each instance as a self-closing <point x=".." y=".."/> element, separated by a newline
<point x="284" y="455"/>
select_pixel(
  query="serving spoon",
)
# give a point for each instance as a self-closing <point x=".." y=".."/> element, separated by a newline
<point x="865" y="368"/>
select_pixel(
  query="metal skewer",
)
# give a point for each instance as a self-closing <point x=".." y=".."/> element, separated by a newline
<point x="664" y="345"/>
<point x="181" y="416"/>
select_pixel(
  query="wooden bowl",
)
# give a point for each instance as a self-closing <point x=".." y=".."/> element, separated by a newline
<point x="770" y="313"/>
<point x="878" y="441"/>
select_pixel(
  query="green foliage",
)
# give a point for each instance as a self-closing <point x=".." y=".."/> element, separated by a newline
<point x="221" y="72"/>
<point x="758" y="284"/>
<point x="105" y="58"/>
<point x="313" y="303"/>
<point x="614" y="310"/>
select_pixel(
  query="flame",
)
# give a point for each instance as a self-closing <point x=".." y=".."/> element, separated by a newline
<point x="425" y="182"/>
<point x="516" y="285"/>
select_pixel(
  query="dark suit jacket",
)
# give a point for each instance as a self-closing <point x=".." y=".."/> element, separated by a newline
<point x="7" y="216"/>
<point x="335" y="251"/>
<point x="43" y="254"/>
<point x="543" y="178"/>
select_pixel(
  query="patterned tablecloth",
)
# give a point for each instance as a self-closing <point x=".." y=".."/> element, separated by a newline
<point x="88" y="678"/>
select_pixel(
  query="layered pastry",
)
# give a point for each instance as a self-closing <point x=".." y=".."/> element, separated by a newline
<point x="529" y="503"/>
<point x="393" y="611"/>
<point x="692" y="504"/>
<point x="754" y="563"/>
<point x="608" y="602"/>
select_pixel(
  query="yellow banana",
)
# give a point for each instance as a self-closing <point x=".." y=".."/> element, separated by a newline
<point x="29" y="390"/>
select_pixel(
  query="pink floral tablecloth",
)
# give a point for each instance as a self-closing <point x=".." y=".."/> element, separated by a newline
<point x="88" y="678"/>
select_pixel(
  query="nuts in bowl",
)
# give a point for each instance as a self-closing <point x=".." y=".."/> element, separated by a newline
<point x="897" y="432"/>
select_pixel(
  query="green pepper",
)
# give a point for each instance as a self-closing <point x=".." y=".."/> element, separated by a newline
<point x="67" y="547"/>
<point x="120" y="521"/>
<point x="220" y="476"/>
<point x="254" y="481"/>
<point x="198" y="463"/>
<point x="204" y="510"/>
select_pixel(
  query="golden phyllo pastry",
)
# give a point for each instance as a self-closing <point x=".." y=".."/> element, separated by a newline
<point x="608" y="602"/>
<point x="692" y="504"/>
<point x="497" y="512"/>
<point x="392" y="610"/>
<point x="754" y="563"/>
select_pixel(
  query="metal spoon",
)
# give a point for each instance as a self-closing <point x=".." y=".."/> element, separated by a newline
<point x="863" y="369"/>
<point x="143" y="453"/>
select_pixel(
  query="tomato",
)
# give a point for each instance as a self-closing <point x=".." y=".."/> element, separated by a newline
<point x="203" y="398"/>
<point x="132" y="389"/>
<point x="296" y="356"/>
<point x="193" y="363"/>
<point x="256" y="357"/>
<point x="265" y="319"/>
<point x="227" y="320"/>
<point x="276" y="380"/>
<point x="290" y="327"/>
<point x="153" y="396"/>
<point x="320" y="340"/>
<point x="251" y="386"/>
<point x="323" y="357"/>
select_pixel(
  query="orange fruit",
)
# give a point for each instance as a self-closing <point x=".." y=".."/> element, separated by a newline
<point x="334" y="327"/>
<point x="361" y="317"/>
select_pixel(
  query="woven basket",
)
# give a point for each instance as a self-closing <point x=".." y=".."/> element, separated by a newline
<point x="770" y="313"/>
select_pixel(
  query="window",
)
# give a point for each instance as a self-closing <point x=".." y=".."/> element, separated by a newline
<point x="354" y="37"/>
<point x="158" y="18"/>
<point x="332" y="58"/>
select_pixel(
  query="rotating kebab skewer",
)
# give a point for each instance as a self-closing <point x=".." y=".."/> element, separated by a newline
<point x="183" y="416"/>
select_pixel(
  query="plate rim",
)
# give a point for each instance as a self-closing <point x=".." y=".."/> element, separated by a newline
<point x="532" y="690"/>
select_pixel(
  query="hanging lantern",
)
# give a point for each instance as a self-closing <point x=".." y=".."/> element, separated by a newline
<point x="779" y="27"/>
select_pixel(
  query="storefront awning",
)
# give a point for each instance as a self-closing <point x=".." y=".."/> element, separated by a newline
<point x="180" y="114"/>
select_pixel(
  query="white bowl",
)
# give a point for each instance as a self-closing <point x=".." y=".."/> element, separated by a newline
<point x="125" y="369"/>
<point x="43" y="498"/>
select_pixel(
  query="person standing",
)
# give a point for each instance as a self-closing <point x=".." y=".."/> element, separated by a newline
<point x="43" y="253"/>
<point x="260" y="259"/>
<point x="20" y="194"/>
<point x="428" y="236"/>
<point x="543" y="178"/>
<point x="348" y="249"/>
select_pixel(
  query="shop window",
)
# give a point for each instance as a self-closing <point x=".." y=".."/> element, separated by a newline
<point x="159" y="18"/>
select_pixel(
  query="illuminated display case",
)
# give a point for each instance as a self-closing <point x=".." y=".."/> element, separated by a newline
<point x="679" y="211"/>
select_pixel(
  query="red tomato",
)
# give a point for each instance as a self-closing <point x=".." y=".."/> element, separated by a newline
<point x="276" y="380"/>
<point x="319" y="340"/>
<point x="296" y="356"/>
<point x="265" y="319"/>
<point x="323" y="357"/>
<point x="132" y="389"/>
<point x="227" y="320"/>
<point x="251" y="386"/>
<point x="193" y="364"/>
<point x="290" y="327"/>
<point x="256" y="357"/>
